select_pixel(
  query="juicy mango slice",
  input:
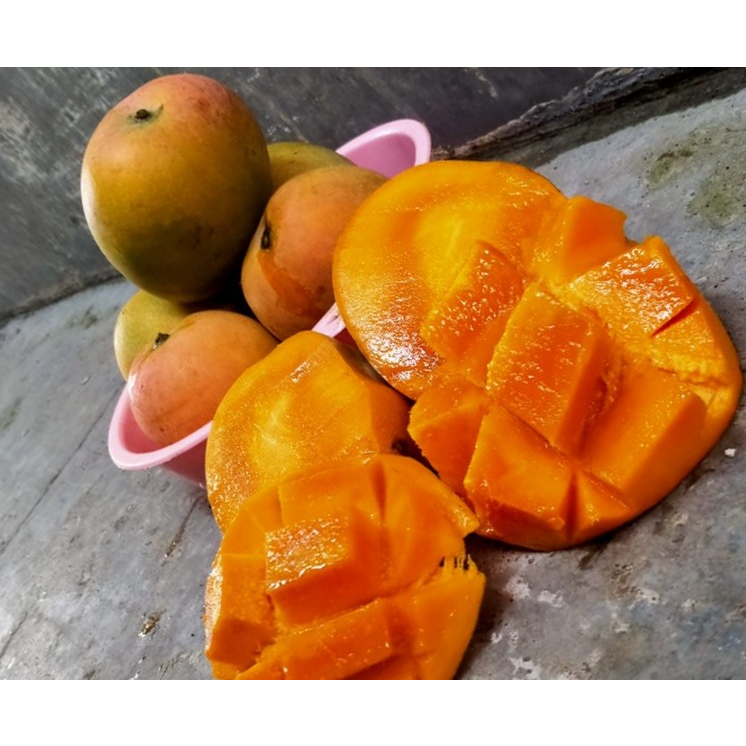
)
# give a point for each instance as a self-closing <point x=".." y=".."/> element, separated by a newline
<point x="477" y="305"/>
<point x="565" y="378"/>
<point x="548" y="366"/>
<point x="449" y="406"/>
<point x="315" y="384"/>
<point x="402" y="252"/>
<point x="637" y="292"/>
<point x="577" y="221"/>
<point x="239" y="616"/>
<point x="377" y="587"/>
<point x="497" y="478"/>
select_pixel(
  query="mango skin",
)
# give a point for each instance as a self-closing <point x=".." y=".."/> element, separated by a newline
<point x="173" y="182"/>
<point x="144" y="316"/>
<point x="141" y="319"/>
<point x="289" y="158"/>
<point x="287" y="272"/>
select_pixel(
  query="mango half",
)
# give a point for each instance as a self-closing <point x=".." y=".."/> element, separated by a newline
<point x="565" y="377"/>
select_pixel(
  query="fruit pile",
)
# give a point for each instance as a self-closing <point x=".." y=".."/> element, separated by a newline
<point x="518" y="368"/>
<point x="228" y="240"/>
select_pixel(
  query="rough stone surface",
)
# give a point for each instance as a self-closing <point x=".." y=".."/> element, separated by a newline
<point x="102" y="572"/>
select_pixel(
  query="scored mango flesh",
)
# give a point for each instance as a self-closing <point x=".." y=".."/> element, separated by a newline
<point x="565" y="378"/>
<point x="310" y="402"/>
<point x="357" y="570"/>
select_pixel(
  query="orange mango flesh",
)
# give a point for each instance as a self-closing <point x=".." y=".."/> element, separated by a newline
<point x="577" y="221"/>
<point x="449" y="406"/>
<point x="402" y="250"/>
<point x="357" y="570"/>
<point x="497" y="479"/>
<point x="269" y="423"/>
<point x="477" y="305"/>
<point x="565" y="378"/>
<point x="637" y="292"/>
<point x="322" y="566"/>
<point x="547" y="366"/>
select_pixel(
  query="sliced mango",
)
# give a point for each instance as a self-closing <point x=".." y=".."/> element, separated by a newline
<point x="508" y="456"/>
<point x="315" y="385"/>
<point x="565" y="378"/>
<point x="373" y="587"/>
<point x="578" y="221"/>
<point x="316" y="568"/>
<point x="428" y="619"/>
<point x="337" y="648"/>
<point x="445" y="422"/>
<point x="548" y="368"/>
<point x="239" y="619"/>
<point x="467" y="322"/>
<point x="638" y="292"/>
<point x="648" y="438"/>
<point x="400" y="254"/>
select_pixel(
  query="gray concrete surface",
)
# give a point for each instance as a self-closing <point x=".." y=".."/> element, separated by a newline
<point x="102" y="572"/>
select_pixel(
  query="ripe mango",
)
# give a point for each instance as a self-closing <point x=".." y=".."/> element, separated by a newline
<point x="313" y="400"/>
<point x="287" y="272"/>
<point x="566" y="378"/>
<point x="356" y="569"/>
<point x="176" y="384"/>
<point x="292" y="157"/>
<point x="173" y="183"/>
<point x="142" y="318"/>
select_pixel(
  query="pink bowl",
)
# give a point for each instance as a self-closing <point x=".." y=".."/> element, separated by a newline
<point x="388" y="149"/>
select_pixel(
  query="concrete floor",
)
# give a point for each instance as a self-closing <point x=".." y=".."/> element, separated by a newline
<point x="102" y="572"/>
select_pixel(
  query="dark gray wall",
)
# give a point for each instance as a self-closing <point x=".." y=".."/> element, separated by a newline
<point x="47" y="116"/>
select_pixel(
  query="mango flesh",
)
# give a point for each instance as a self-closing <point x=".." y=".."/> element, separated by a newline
<point x="177" y="383"/>
<point x="565" y="378"/>
<point x="351" y="570"/>
<point x="173" y="183"/>
<point x="311" y="401"/>
<point x="402" y="253"/>
<point x="287" y="272"/>
<point x="292" y="157"/>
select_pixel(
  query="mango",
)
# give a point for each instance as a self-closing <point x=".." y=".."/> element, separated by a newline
<point x="176" y="384"/>
<point x="566" y="378"/>
<point x="144" y="316"/>
<point x="312" y="400"/>
<point x="292" y="157"/>
<point x="287" y="272"/>
<point x="173" y="183"/>
<point x="356" y="569"/>
<point x="405" y="258"/>
<point x="141" y="319"/>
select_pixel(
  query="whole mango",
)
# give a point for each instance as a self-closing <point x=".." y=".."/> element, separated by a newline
<point x="174" y="181"/>
<point x="289" y="158"/>
<point x="287" y="271"/>
<point x="176" y="383"/>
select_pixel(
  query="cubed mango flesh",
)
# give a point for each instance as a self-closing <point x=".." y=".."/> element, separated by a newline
<point x="565" y="378"/>
<point x="376" y="587"/>
<point x="315" y="385"/>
